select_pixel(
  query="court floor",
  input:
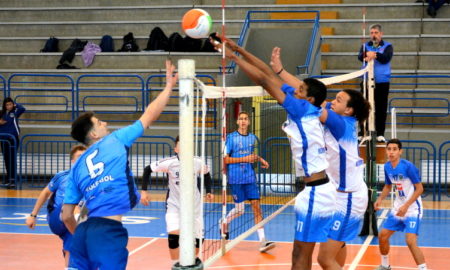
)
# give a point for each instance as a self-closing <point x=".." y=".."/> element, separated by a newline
<point x="22" y="248"/>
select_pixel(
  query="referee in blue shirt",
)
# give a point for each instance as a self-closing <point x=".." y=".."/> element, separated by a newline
<point x="102" y="177"/>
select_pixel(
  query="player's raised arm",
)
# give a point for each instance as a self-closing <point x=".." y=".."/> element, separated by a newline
<point x="155" y="108"/>
<point x="262" y="76"/>
<point x="277" y="67"/>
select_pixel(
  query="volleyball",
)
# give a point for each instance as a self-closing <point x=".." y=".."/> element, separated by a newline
<point x="196" y="23"/>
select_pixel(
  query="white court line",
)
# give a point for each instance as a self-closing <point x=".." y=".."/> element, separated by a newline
<point x="366" y="243"/>
<point x="143" y="246"/>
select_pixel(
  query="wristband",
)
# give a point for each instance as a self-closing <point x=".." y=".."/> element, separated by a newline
<point x="31" y="215"/>
<point x="279" y="72"/>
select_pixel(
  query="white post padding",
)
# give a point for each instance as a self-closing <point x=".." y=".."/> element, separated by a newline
<point x="186" y="73"/>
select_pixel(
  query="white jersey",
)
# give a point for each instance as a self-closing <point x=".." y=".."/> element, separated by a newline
<point x="346" y="168"/>
<point x="305" y="133"/>
<point x="403" y="177"/>
<point x="171" y="166"/>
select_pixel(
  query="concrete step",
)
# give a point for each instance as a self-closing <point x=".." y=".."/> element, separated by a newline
<point x="409" y="26"/>
<point x="167" y="12"/>
<point x="35" y="44"/>
<point x="405" y="60"/>
<point x="102" y="3"/>
<point x="99" y="28"/>
<point x="401" y="43"/>
<point x="125" y="60"/>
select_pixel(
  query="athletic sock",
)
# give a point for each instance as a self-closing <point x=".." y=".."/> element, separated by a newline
<point x="261" y="235"/>
<point x="422" y="266"/>
<point x="385" y="260"/>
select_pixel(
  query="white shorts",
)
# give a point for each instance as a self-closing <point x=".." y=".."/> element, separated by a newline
<point x="350" y="209"/>
<point x="314" y="209"/>
<point x="173" y="222"/>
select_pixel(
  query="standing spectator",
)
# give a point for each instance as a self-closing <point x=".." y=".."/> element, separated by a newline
<point x="381" y="51"/>
<point x="407" y="212"/>
<point x="9" y="124"/>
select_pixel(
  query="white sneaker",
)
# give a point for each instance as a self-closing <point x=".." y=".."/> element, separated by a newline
<point x="380" y="267"/>
<point x="381" y="139"/>
<point x="266" y="246"/>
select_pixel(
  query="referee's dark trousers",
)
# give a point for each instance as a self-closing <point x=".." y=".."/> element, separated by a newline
<point x="381" y="104"/>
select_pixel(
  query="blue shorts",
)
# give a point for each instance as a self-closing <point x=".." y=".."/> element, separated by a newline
<point x="57" y="227"/>
<point x="243" y="192"/>
<point x="99" y="243"/>
<point x="407" y="224"/>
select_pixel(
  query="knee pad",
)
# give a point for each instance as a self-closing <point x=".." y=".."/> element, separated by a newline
<point x="173" y="240"/>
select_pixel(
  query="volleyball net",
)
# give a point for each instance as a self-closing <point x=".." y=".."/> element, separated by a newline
<point x="226" y="223"/>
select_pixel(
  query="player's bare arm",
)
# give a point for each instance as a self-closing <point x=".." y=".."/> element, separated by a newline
<point x="155" y="108"/>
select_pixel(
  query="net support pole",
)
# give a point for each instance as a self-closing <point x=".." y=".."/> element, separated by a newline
<point x="186" y="73"/>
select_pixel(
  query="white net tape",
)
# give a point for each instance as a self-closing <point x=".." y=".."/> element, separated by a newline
<point x="215" y="92"/>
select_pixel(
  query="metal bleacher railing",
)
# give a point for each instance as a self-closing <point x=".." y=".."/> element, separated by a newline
<point x="110" y="94"/>
<point x="155" y="84"/>
<point x="47" y="97"/>
<point x="254" y="17"/>
<point x="58" y="98"/>
<point x="43" y="155"/>
<point x="444" y="169"/>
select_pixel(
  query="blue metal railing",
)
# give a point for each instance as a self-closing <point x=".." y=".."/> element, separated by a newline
<point x="46" y="94"/>
<point x="3" y="86"/>
<point x="435" y="111"/>
<point x="110" y="94"/>
<point x="423" y="155"/>
<point x="156" y="83"/>
<point x="444" y="169"/>
<point x="249" y="20"/>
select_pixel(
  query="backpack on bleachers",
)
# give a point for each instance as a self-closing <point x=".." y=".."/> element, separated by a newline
<point x="176" y="42"/>
<point x="51" y="45"/>
<point x="192" y="44"/>
<point x="69" y="54"/>
<point x="107" y="44"/>
<point x="129" y="43"/>
<point x="157" y="41"/>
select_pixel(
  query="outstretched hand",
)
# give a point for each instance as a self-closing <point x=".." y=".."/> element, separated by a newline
<point x="171" y="76"/>
<point x="228" y="45"/>
<point x="275" y="60"/>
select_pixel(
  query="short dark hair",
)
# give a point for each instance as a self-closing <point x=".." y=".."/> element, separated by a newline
<point x="317" y="90"/>
<point x="81" y="127"/>
<point x="395" y="141"/>
<point x="75" y="149"/>
<point x="361" y="107"/>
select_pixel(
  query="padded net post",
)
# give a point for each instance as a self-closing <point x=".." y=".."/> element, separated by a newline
<point x="186" y="71"/>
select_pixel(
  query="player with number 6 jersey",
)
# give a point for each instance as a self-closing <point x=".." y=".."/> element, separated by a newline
<point x="102" y="177"/>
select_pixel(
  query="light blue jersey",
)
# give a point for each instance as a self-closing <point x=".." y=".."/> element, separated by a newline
<point x="57" y="186"/>
<point x="305" y="133"/>
<point x="403" y="177"/>
<point x="238" y="145"/>
<point x="346" y="168"/>
<point x="102" y="175"/>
